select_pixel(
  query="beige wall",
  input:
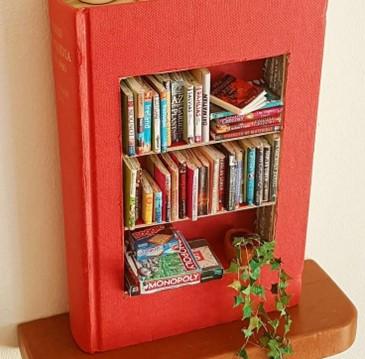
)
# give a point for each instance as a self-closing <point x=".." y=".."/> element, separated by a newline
<point x="32" y="265"/>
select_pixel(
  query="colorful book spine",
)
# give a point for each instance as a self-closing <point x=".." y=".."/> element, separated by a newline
<point x="222" y="118"/>
<point x="245" y="132"/>
<point x="156" y="122"/>
<point x="266" y="174"/>
<point x="128" y="126"/>
<point x="165" y="132"/>
<point x="203" y="191"/>
<point x="275" y="156"/>
<point x="157" y="207"/>
<point x="138" y="196"/>
<point x="221" y="183"/>
<point x="239" y="176"/>
<point x="177" y="110"/>
<point x="130" y="193"/>
<point x="192" y="178"/>
<point x="267" y="121"/>
<point x="188" y="127"/>
<point x="198" y="111"/>
<point x="147" y="201"/>
<point x="250" y="162"/>
<point x="139" y="116"/>
<point x="147" y="122"/>
<point x="182" y="192"/>
<point x="259" y="173"/>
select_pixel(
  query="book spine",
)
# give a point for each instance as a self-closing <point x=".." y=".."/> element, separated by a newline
<point x="177" y="111"/>
<point x="222" y="115"/>
<point x="250" y="176"/>
<point x="221" y="183"/>
<point x="195" y="195"/>
<point x="188" y="128"/>
<point x="157" y="207"/>
<point x="230" y="190"/>
<point x="198" y="103"/>
<point x="274" y="169"/>
<point x="203" y="192"/>
<point x="259" y="114"/>
<point x="174" y="196"/>
<point x="226" y="118"/>
<point x="165" y="131"/>
<point x="147" y="123"/>
<point x="206" y="107"/>
<point x="246" y="132"/>
<point x="259" y="173"/>
<point x="167" y="203"/>
<point x="147" y="207"/>
<point x="129" y="139"/>
<point x="182" y="192"/>
<point x="138" y="196"/>
<point x="239" y="176"/>
<point x="71" y="61"/>
<point x="268" y="121"/>
<point x="156" y="129"/>
<point x="139" y="118"/>
<point x="266" y="176"/>
<point x="167" y="85"/>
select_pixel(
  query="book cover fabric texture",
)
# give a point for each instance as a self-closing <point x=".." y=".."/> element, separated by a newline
<point x="93" y="48"/>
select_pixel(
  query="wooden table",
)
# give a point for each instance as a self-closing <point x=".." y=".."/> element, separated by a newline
<point x="324" y="324"/>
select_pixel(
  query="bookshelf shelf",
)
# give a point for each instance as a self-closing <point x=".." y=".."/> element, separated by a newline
<point x="220" y="213"/>
<point x="200" y="144"/>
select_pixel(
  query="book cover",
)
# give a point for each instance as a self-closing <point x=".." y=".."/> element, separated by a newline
<point x="236" y="95"/>
<point x="267" y="121"/>
<point x="138" y="93"/>
<point x="274" y="141"/>
<point x="128" y="128"/>
<point x="203" y="76"/>
<point x="240" y="172"/>
<point x="177" y="108"/>
<point x="163" y="178"/>
<point x="245" y="132"/>
<point x="165" y="80"/>
<point x="249" y="171"/>
<point x="173" y="168"/>
<point x="156" y="122"/>
<point x="138" y="198"/>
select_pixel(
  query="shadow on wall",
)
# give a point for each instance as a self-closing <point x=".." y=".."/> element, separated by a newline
<point x="32" y="261"/>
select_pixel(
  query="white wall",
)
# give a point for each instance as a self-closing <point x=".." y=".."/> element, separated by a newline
<point x="31" y="247"/>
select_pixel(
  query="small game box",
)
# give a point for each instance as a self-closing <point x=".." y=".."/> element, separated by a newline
<point x="209" y="264"/>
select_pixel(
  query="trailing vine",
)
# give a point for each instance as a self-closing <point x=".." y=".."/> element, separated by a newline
<point x="261" y="328"/>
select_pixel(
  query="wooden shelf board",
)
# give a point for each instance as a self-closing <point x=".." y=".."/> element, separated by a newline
<point x="324" y="324"/>
<point x="200" y="144"/>
<point x="220" y="213"/>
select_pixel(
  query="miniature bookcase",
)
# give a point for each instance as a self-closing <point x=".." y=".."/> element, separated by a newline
<point x="93" y="48"/>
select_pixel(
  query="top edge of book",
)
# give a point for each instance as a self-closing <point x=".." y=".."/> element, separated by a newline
<point x="79" y="4"/>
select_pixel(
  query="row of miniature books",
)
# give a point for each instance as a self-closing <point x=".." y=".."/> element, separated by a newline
<point x="170" y="109"/>
<point x="200" y="181"/>
<point x="162" y="110"/>
<point x="160" y="258"/>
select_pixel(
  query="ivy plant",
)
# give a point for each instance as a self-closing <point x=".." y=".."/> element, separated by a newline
<point x="260" y="327"/>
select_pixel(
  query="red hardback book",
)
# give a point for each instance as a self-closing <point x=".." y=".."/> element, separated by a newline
<point x="93" y="48"/>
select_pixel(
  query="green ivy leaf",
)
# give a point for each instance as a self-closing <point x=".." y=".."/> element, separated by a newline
<point x="247" y="333"/>
<point x="245" y="274"/>
<point x="276" y="263"/>
<point x="255" y="323"/>
<point x="236" y="285"/>
<point x="243" y="354"/>
<point x="288" y="324"/>
<point x="238" y="300"/>
<point x="247" y="309"/>
<point x="233" y="267"/>
<point x="258" y="290"/>
<point x="246" y="290"/>
<point x="274" y="323"/>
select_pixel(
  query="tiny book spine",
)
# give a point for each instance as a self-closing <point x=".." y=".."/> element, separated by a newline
<point x="239" y="175"/>
<point x="221" y="183"/>
<point x="188" y="127"/>
<point x="245" y="132"/>
<point x="206" y="106"/>
<point x="177" y="110"/>
<point x="139" y="116"/>
<point x="203" y="191"/>
<point x="147" y="201"/>
<point x="156" y="130"/>
<point x="259" y="173"/>
<point x="157" y="206"/>
<point x="266" y="175"/>
<point x="164" y="127"/>
<point x="198" y="102"/>
<point x="274" y="175"/>
<point x="129" y="139"/>
<point x="147" y="121"/>
<point x="250" y="175"/>
<point x="182" y="192"/>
